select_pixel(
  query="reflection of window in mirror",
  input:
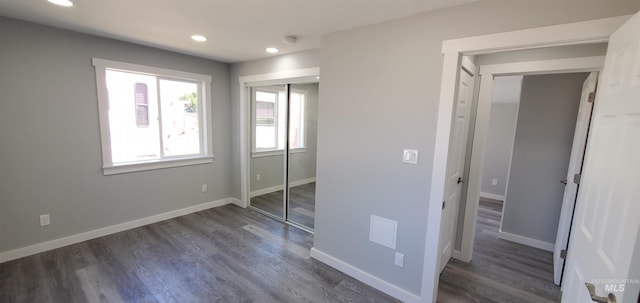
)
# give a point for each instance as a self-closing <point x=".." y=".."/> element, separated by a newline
<point x="270" y="120"/>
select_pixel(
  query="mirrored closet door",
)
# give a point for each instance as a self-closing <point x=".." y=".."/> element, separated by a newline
<point x="282" y="165"/>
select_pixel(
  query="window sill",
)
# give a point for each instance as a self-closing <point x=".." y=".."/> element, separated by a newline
<point x="279" y="152"/>
<point x="151" y="165"/>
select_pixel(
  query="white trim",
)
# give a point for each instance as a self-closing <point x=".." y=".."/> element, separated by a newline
<point x="593" y="31"/>
<point x="277" y="152"/>
<point x="565" y="34"/>
<point x="293" y="76"/>
<point x="205" y="154"/>
<point x="100" y="232"/>
<point x="526" y="241"/>
<point x="151" y="70"/>
<point x="142" y="166"/>
<point x="265" y="191"/>
<point x="238" y="202"/>
<point x="492" y="196"/>
<point x="365" y="277"/>
<point x="276" y="188"/>
<point x="456" y="254"/>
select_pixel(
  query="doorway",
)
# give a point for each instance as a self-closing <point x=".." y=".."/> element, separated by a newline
<point x="535" y="125"/>
<point x="581" y="33"/>
<point x="488" y="75"/>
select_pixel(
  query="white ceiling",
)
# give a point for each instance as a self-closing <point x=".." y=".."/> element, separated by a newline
<point x="238" y="30"/>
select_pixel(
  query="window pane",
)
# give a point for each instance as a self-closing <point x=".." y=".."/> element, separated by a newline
<point x="265" y="96"/>
<point x="180" y="119"/>
<point x="130" y="140"/>
<point x="296" y="121"/>
<point x="282" y="118"/>
<point x="142" y="104"/>
<point x="265" y="137"/>
<point x="265" y="113"/>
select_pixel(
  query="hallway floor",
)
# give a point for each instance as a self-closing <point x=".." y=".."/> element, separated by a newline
<point x="501" y="271"/>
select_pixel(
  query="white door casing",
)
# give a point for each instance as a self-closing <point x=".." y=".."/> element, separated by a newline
<point x="575" y="167"/>
<point x="592" y="31"/>
<point x="456" y="160"/>
<point x="605" y="228"/>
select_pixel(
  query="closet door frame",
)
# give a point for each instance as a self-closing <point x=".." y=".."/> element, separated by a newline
<point x="246" y="83"/>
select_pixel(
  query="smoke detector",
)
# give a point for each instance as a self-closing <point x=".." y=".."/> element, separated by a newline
<point x="290" y="40"/>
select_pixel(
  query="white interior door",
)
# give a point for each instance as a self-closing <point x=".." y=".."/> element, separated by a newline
<point x="605" y="227"/>
<point x="455" y="165"/>
<point x="575" y="168"/>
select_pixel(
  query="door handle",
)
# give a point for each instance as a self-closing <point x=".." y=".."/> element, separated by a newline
<point x="460" y="180"/>
<point x="564" y="181"/>
<point x="611" y="298"/>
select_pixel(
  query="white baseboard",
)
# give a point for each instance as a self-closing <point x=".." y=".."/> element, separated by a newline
<point x="456" y="254"/>
<point x="365" y="277"/>
<point x="265" y="191"/>
<point x="492" y="196"/>
<point x="526" y="241"/>
<point x="96" y="233"/>
<point x="276" y="188"/>
<point x="239" y="203"/>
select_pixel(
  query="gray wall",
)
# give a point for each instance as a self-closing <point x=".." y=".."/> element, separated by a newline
<point x="541" y="151"/>
<point x="502" y="125"/>
<point x="301" y="60"/>
<point x="50" y="152"/>
<point x="380" y="93"/>
<point x="302" y="165"/>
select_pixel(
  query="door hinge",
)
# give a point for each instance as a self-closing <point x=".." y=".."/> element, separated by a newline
<point x="576" y="178"/>
<point x="443" y="202"/>
<point x="563" y="254"/>
<point x="592" y="97"/>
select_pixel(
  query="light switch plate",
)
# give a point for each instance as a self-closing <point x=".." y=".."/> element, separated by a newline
<point x="410" y="156"/>
<point x="45" y="220"/>
<point x="399" y="260"/>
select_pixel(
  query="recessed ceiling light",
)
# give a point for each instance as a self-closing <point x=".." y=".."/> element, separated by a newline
<point x="62" y="2"/>
<point x="199" y="38"/>
<point x="272" y="50"/>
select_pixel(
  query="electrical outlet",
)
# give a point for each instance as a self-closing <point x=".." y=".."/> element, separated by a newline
<point x="399" y="261"/>
<point x="494" y="182"/>
<point x="204" y="188"/>
<point x="45" y="220"/>
<point x="257" y="177"/>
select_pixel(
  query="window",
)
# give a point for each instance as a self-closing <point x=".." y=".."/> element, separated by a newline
<point x="151" y="117"/>
<point x="269" y="112"/>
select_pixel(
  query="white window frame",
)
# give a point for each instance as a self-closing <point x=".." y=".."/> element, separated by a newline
<point x="267" y="152"/>
<point x="205" y="120"/>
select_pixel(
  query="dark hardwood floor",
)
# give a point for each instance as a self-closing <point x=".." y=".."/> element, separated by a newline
<point x="501" y="271"/>
<point x="225" y="254"/>
<point x="230" y="254"/>
<point x="302" y="203"/>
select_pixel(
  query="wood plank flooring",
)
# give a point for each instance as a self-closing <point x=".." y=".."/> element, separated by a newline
<point x="225" y="254"/>
<point x="302" y="203"/>
<point x="501" y="271"/>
